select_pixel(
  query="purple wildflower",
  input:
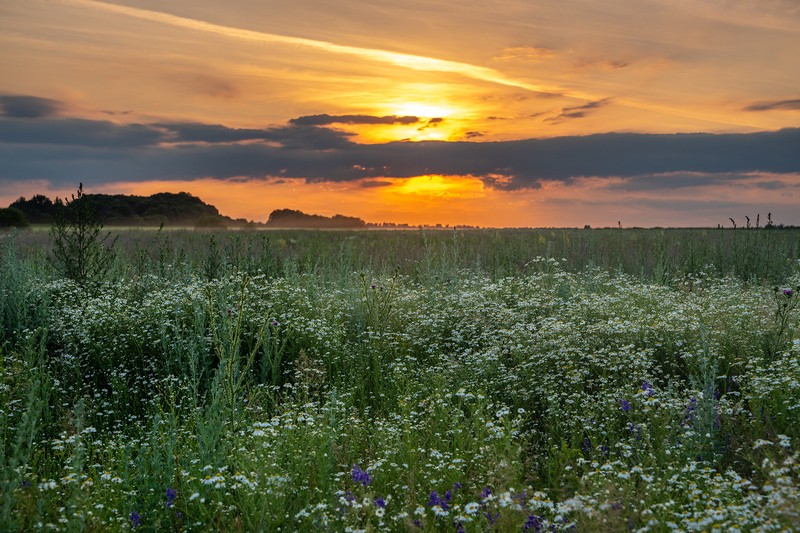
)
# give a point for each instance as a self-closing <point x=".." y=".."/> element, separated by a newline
<point x="624" y="405"/>
<point x="457" y="486"/>
<point x="646" y="387"/>
<point x="171" y="495"/>
<point x="788" y="293"/>
<point x="492" y="518"/>
<point x="486" y="492"/>
<point x="360" y="476"/>
<point x="136" y="519"/>
<point x="635" y="430"/>
<point x="435" y="499"/>
<point x="380" y="502"/>
<point x="533" y="523"/>
<point x="587" y="445"/>
<point x="690" y="410"/>
<point x="275" y="323"/>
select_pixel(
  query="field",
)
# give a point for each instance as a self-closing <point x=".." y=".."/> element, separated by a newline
<point x="475" y="380"/>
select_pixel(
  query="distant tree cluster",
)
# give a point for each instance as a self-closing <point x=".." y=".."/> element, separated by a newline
<point x="290" y="218"/>
<point x="39" y="209"/>
<point x="129" y="210"/>
<point x="11" y="217"/>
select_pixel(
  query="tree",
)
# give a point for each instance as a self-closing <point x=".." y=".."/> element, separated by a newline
<point x="11" y="217"/>
<point x="79" y="246"/>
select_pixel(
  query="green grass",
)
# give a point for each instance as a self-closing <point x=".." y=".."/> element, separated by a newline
<point x="404" y="381"/>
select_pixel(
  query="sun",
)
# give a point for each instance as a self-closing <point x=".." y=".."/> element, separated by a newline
<point x="435" y="122"/>
<point x="422" y="110"/>
<point x="438" y="186"/>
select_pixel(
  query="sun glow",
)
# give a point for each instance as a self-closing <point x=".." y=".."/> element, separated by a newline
<point x="435" y="121"/>
<point x="437" y="186"/>
<point x="423" y="110"/>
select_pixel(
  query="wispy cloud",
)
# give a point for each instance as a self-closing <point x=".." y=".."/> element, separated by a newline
<point x="579" y="111"/>
<point x="772" y="105"/>
<point x="324" y="120"/>
<point x="525" y="54"/>
<point x="409" y="61"/>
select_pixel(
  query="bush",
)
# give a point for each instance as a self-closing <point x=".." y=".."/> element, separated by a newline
<point x="79" y="247"/>
<point x="11" y="217"/>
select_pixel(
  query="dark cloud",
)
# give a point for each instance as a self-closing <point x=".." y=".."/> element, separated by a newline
<point x="678" y="180"/>
<point x="77" y="132"/>
<point x="28" y="106"/>
<point x="326" y="120"/>
<point x="70" y="150"/>
<point x="209" y="133"/>
<point x="309" y="138"/>
<point x="790" y="105"/>
<point x="775" y="185"/>
<point x="432" y="123"/>
<point x="296" y="137"/>
<point x="104" y="134"/>
<point x="579" y="111"/>
<point x="371" y="184"/>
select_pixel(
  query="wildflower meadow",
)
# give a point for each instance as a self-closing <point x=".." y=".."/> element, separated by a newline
<point x="453" y="380"/>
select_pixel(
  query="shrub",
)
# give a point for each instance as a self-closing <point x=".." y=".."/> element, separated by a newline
<point x="80" y="251"/>
<point x="11" y="217"/>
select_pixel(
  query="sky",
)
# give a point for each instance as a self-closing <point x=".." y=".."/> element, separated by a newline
<point x="504" y="113"/>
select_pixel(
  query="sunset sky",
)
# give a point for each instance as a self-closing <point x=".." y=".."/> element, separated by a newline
<point x="491" y="113"/>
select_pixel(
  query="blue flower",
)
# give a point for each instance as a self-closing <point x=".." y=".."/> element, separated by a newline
<point x="360" y="476"/>
<point x="434" y="499"/>
<point x="533" y="523"/>
<point x="690" y="410"/>
<point x="171" y="495"/>
<point x="648" y="388"/>
<point x="380" y="502"/>
<point x="587" y="445"/>
<point x="136" y="519"/>
<point x="624" y="405"/>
